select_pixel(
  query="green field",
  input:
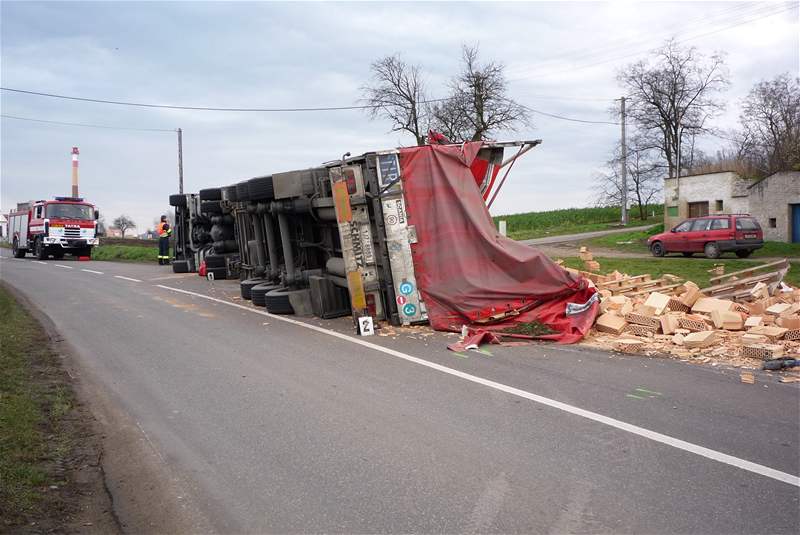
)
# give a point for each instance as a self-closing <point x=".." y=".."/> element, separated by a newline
<point x="572" y="220"/>
<point x="636" y="242"/>
<point x="32" y="406"/>
<point x="693" y="269"/>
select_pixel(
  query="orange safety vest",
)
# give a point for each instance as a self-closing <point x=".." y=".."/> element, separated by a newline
<point x="162" y="233"/>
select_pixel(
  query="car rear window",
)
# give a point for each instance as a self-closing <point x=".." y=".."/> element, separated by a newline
<point x="720" y="224"/>
<point x="700" y="224"/>
<point x="747" y="223"/>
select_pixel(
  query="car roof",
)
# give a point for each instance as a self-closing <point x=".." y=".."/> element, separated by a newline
<point x="714" y="216"/>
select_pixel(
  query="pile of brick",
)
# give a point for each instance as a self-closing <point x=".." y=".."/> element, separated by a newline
<point x="761" y="323"/>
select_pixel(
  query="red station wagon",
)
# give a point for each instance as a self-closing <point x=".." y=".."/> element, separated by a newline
<point x="712" y="235"/>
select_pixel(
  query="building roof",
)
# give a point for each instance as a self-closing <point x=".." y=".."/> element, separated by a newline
<point x="701" y="174"/>
<point x="757" y="182"/>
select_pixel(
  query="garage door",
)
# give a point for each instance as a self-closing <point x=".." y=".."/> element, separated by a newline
<point x="698" y="209"/>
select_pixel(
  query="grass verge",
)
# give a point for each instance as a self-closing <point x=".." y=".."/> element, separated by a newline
<point x="694" y="269"/>
<point x="126" y="253"/>
<point x="33" y="402"/>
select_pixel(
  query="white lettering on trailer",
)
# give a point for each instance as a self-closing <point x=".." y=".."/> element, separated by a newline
<point x="655" y="436"/>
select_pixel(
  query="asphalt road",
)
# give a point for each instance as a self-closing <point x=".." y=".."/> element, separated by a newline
<point x="273" y="426"/>
<point x="568" y="238"/>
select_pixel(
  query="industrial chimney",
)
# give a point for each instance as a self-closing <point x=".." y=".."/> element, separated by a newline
<point x="75" y="153"/>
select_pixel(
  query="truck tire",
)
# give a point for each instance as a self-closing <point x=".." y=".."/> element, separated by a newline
<point x="277" y="302"/>
<point x="261" y="188"/>
<point x="232" y="194"/>
<point x="243" y="191"/>
<point x="58" y="254"/>
<point x="18" y="253"/>
<point x="258" y="293"/>
<point x="220" y="274"/>
<point x="210" y="207"/>
<point x="215" y="261"/>
<point x="39" y="250"/>
<point x="210" y="194"/>
<point x="247" y="285"/>
<point x="178" y="200"/>
<point x="180" y="266"/>
<point x="711" y="250"/>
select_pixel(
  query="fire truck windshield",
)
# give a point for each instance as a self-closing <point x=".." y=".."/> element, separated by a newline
<point x="70" y="211"/>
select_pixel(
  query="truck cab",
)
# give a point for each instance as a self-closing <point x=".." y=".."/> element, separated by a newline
<point x="65" y="225"/>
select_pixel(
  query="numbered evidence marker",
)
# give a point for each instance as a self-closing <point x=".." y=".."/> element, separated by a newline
<point x="210" y="276"/>
<point x="365" y="326"/>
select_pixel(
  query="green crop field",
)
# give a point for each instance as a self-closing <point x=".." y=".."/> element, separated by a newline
<point x="126" y="253"/>
<point x="572" y="220"/>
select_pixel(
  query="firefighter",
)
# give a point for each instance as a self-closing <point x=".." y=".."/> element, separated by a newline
<point x="164" y="232"/>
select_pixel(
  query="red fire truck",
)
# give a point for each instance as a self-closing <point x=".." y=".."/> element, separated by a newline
<point x="45" y="228"/>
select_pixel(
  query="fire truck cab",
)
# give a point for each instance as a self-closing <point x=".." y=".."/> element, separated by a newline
<point x="45" y="228"/>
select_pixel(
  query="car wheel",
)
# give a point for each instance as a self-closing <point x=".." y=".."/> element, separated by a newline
<point x="277" y="302"/>
<point x="18" y="253"/>
<point x="711" y="250"/>
<point x="687" y="255"/>
<point x="258" y="293"/>
<point x="657" y="249"/>
<point x="247" y="285"/>
<point x="40" y="250"/>
<point x="744" y="253"/>
<point x="178" y="200"/>
<point x="210" y="194"/>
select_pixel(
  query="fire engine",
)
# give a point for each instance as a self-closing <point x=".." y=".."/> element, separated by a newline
<point x="45" y="228"/>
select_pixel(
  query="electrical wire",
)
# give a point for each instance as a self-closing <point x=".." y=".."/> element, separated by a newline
<point x="563" y="118"/>
<point x="108" y="127"/>
<point x="203" y="108"/>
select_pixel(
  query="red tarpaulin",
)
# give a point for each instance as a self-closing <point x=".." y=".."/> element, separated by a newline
<point x="468" y="274"/>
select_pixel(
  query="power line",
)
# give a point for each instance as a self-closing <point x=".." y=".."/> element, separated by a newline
<point x="563" y="118"/>
<point x="108" y="127"/>
<point x="203" y="108"/>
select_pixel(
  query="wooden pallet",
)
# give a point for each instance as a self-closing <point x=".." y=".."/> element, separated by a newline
<point x="749" y="272"/>
<point x="740" y="288"/>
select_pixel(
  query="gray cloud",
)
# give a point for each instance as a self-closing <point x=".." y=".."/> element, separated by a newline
<point x="298" y="54"/>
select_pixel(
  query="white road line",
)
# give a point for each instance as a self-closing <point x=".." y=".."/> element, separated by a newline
<point x="93" y="271"/>
<point x="577" y="411"/>
<point x="61" y="266"/>
<point x="38" y="262"/>
<point x="126" y="278"/>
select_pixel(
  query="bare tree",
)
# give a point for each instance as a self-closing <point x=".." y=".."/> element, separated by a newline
<point x="124" y="223"/>
<point x="770" y="119"/>
<point x="397" y="93"/>
<point x="479" y="105"/>
<point x="672" y="96"/>
<point x="644" y="177"/>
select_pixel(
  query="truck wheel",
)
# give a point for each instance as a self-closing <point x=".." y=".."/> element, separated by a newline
<point x="243" y="191"/>
<point x="40" y="251"/>
<point x="178" y="200"/>
<point x="657" y="249"/>
<point x="210" y="194"/>
<point x="258" y="293"/>
<point x="247" y="285"/>
<point x="277" y="302"/>
<point x="711" y="250"/>
<point x="744" y="253"/>
<point x="261" y="188"/>
<point x="18" y="253"/>
<point x="180" y="266"/>
<point x="58" y="255"/>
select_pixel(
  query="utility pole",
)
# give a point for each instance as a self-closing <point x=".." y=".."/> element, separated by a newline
<point x="624" y="173"/>
<point x="180" y="161"/>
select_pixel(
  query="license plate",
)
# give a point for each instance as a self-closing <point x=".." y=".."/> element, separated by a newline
<point x="749" y="236"/>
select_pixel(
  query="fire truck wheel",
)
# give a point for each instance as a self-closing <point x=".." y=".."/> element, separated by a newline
<point x="18" y="253"/>
<point x="210" y="194"/>
<point x="277" y="302"/>
<point x="40" y="250"/>
<point x="180" y="266"/>
<point x="246" y="285"/>
<point x="177" y="200"/>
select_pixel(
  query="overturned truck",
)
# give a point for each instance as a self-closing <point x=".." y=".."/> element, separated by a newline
<point x="401" y="235"/>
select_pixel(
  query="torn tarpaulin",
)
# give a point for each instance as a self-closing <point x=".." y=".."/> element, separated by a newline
<point x="468" y="274"/>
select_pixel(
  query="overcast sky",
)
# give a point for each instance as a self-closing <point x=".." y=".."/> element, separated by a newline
<point x="560" y="58"/>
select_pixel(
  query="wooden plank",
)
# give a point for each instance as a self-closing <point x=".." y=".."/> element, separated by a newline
<point x="657" y="289"/>
<point x="739" y="283"/>
<point x="777" y="264"/>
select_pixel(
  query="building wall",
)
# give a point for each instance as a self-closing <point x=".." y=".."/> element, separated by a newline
<point x="726" y="187"/>
<point x="771" y="199"/>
